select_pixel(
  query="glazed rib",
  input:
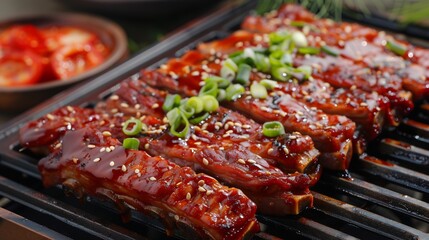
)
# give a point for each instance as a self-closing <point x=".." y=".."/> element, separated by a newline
<point x="332" y="134"/>
<point x="364" y="61"/>
<point x="149" y="184"/>
<point x="229" y="146"/>
<point x="368" y="110"/>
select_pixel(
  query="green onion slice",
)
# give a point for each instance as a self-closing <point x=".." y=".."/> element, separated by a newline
<point x="221" y="95"/>
<point x="396" y="47"/>
<point x="198" y="119"/>
<point x="298" y="23"/>
<point x="171" y="101"/>
<point x="330" y="50"/>
<point x="309" y="50"/>
<point x="132" y="127"/>
<point x="307" y="70"/>
<point x="220" y="81"/>
<point x="282" y="73"/>
<point x="234" y="91"/>
<point x="210" y="88"/>
<point x="258" y="91"/>
<point x="273" y="129"/>
<point x="268" y="84"/>
<point x="277" y="37"/>
<point x="210" y="103"/>
<point x="187" y="110"/>
<point x="196" y="103"/>
<point x="262" y="62"/>
<point x="243" y="74"/>
<point x="179" y="124"/>
<point x="131" y="143"/>
<point x="299" y="39"/>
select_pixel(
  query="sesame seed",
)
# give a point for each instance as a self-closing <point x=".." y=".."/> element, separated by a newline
<point x="188" y="196"/>
<point x="270" y="150"/>
<point x="108" y="149"/>
<point x="226" y="135"/>
<point x="205" y="125"/>
<point x="201" y="189"/>
<point x="201" y="182"/>
<point x="75" y="160"/>
<point x="91" y="146"/>
<point x="70" y="109"/>
<point x="353" y="87"/>
<point x="286" y="150"/>
<point x="251" y="161"/>
<point x="152" y="178"/>
<point x="102" y="149"/>
<point x="241" y="161"/>
<point x="155" y="105"/>
<point x="114" y="110"/>
<point x="176" y="217"/>
<point x="124" y="168"/>
<point x="246" y="126"/>
<point x="112" y="163"/>
<point x="292" y="137"/>
<point x="377" y="108"/>
<point x="58" y="145"/>
<point x="209" y="192"/>
<point x="205" y="161"/>
<point x="96" y="159"/>
<point x="221" y="148"/>
<point x="363" y="104"/>
<point x="137" y="170"/>
<point x="299" y="113"/>
<point x="107" y="134"/>
<point x="139" y="174"/>
<point x="50" y="116"/>
<point x="124" y="105"/>
<point x="197" y="143"/>
<point x="229" y="131"/>
<point x="114" y="97"/>
<point x="112" y="148"/>
<point x="146" y="146"/>
<point x="137" y="106"/>
<point x="195" y="73"/>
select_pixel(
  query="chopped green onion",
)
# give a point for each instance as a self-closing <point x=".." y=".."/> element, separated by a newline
<point x="286" y="59"/>
<point x="221" y="95"/>
<point x="308" y="50"/>
<point x="210" y="88"/>
<point x="282" y="73"/>
<point x="171" y="101"/>
<point x="131" y="143"/>
<point x="268" y="84"/>
<point x="237" y="57"/>
<point x="177" y="121"/>
<point x="277" y="37"/>
<point x="258" y="91"/>
<point x="132" y="127"/>
<point x="234" y="91"/>
<point x="396" y="47"/>
<point x="187" y="110"/>
<point x="196" y="103"/>
<point x="307" y="70"/>
<point x="243" y="74"/>
<point x="220" y="81"/>
<point x="329" y="50"/>
<point x="228" y="70"/>
<point x="287" y="45"/>
<point x="210" y="103"/>
<point x="198" y="119"/>
<point x="274" y="58"/>
<point x="262" y="62"/>
<point x="298" y="23"/>
<point x="299" y="39"/>
<point x="273" y="129"/>
<point x="249" y="53"/>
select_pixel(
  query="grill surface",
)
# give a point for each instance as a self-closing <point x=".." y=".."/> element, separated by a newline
<point x="384" y="196"/>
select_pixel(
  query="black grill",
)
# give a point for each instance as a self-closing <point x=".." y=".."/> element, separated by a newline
<point x="383" y="196"/>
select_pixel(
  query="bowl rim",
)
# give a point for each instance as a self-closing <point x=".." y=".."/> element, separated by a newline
<point x="116" y="32"/>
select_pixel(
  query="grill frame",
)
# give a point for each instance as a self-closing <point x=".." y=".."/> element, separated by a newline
<point x="217" y="24"/>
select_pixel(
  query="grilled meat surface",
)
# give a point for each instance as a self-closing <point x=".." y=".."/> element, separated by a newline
<point x="148" y="184"/>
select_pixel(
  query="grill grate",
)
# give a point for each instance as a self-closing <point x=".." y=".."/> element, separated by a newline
<point x="384" y="196"/>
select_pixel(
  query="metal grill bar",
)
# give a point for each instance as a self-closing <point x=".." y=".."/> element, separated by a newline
<point x="366" y="219"/>
<point x="65" y="213"/>
<point x="404" y="152"/>
<point x="379" y="195"/>
<point x="305" y="227"/>
<point x="394" y="173"/>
